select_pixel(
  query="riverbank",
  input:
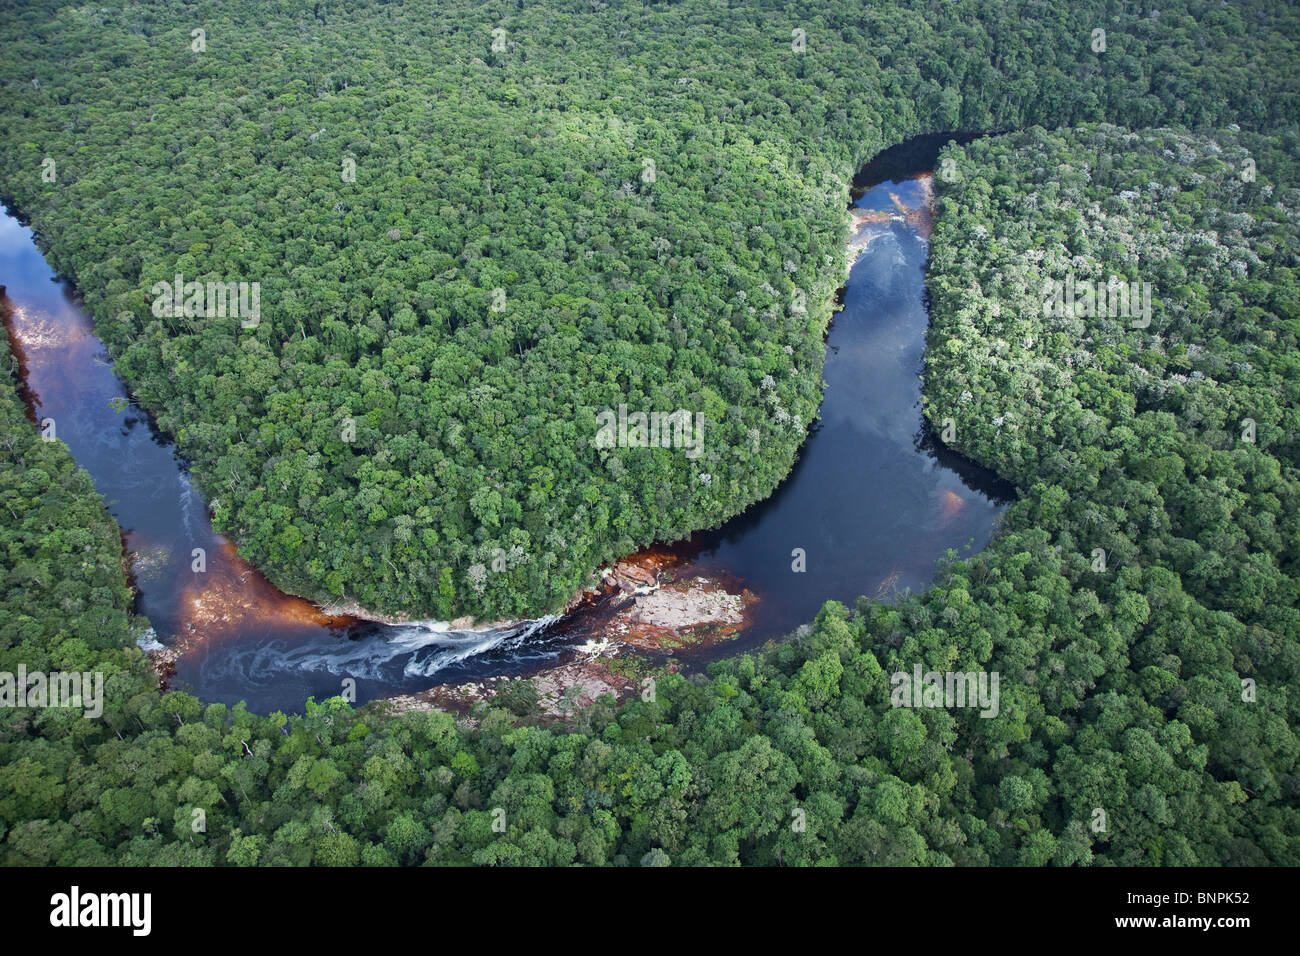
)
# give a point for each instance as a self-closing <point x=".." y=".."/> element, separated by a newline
<point x="645" y="611"/>
<point x="658" y="608"/>
<point x="645" y="615"/>
<point x="233" y="636"/>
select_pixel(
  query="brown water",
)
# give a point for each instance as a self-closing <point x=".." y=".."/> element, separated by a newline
<point x="872" y="501"/>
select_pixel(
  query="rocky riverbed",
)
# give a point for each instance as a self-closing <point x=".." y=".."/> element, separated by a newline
<point x="645" y="617"/>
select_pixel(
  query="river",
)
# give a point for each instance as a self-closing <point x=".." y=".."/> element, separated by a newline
<point x="872" y="503"/>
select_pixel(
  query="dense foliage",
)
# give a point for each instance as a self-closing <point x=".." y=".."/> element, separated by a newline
<point x="1122" y="689"/>
<point x="687" y="283"/>
<point x="65" y="604"/>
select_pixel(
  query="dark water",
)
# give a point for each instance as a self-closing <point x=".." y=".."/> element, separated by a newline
<point x="242" y="638"/>
<point x="871" y="502"/>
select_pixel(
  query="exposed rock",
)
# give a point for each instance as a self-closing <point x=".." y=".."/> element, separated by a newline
<point x="580" y="684"/>
<point x="687" y="608"/>
<point x="636" y="612"/>
<point x="563" y="692"/>
<point x="693" y="612"/>
<point x="630" y="577"/>
<point x="352" y="609"/>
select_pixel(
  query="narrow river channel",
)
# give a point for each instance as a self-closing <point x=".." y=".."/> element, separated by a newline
<point x="872" y="503"/>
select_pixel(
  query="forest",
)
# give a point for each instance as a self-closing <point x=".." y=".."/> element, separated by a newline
<point x="465" y="254"/>
<point x="1148" y="695"/>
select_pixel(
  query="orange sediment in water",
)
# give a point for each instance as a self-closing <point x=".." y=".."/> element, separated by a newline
<point x="951" y="504"/>
<point x="231" y="595"/>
